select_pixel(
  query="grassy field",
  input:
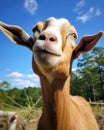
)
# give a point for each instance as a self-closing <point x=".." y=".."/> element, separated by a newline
<point x="97" y="109"/>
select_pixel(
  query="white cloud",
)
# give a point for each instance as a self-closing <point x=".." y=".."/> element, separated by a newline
<point x="98" y="12"/>
<point x="79" y="6"/>
<point x="90" y="14"/>
<point x="85" y="16"/>
<point x="18" y="79"/>
<point x="22" y="83"/>
<point x="33" y="77"/>
<point x="91" y="10"/>
<point x="15" y="75"/>
<point x="31" y="6"/>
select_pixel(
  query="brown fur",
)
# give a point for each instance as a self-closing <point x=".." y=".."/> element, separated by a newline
<point x="62" y="111"/>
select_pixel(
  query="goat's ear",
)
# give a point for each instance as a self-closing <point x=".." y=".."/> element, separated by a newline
<point x="17" y="35"/>
<point x="86" y="44"/>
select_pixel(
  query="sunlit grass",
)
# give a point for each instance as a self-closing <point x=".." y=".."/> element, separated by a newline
<point x="97" y="108"/>
<point x="10" y="109"/>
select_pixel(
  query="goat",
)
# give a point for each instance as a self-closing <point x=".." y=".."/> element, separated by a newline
<point x="54" y="49"/>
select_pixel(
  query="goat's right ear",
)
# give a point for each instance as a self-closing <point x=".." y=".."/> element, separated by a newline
<point x="17" y="35"/>
<point x="86" y="44"/>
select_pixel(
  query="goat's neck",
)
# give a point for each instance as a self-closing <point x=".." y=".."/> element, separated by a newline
<point x="55" y="99"/>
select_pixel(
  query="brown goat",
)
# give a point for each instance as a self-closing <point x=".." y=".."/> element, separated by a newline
<point x="54" y="49"/>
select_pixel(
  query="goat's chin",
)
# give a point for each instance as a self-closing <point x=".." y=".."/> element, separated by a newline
<point x="47" y="60"/>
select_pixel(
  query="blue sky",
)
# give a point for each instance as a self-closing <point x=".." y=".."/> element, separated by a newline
<point x="15" y="61"/>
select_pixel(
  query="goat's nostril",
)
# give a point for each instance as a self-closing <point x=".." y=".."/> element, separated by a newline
<point x="42" y="37"/>
<point x="52" y="39"/>
<point x="47" y="37"/>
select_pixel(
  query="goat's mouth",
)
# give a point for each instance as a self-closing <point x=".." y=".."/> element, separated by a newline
<point x="46" y="52"/>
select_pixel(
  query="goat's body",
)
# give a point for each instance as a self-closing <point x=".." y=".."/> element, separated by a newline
<point x="62" y="111"/>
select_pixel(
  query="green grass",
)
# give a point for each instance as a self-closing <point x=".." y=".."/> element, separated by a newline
<point x="97" y="108"/>
<point x="94" y="108"/>
<point x="10" y="109"/>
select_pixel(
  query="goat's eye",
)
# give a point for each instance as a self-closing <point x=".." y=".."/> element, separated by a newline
<point x="74" y="35"/>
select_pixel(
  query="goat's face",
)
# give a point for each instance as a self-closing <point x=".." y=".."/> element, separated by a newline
<point x="53" y="44"/>
<point x="54" y="41"/>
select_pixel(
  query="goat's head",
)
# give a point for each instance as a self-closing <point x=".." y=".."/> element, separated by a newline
<point x="53" y="44"/>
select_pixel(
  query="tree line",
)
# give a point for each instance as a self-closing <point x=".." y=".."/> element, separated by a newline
<point x="15" y="97"/>
<point x="87" y="80"/>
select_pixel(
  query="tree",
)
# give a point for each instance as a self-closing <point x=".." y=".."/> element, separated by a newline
<point x="88" y="80"/>
<point x="98" y="53"/>
<point x="26" y="97"/>
<point x="4" y="85"/>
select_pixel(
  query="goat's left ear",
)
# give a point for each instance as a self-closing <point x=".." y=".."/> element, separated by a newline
<point x="17" y="35"/>
<point x="86" y="44"/>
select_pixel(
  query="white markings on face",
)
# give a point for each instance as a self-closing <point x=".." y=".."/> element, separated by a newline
<point x="47" y="49"/>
